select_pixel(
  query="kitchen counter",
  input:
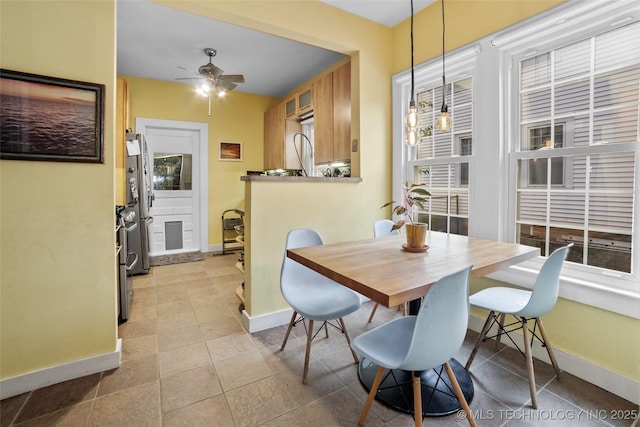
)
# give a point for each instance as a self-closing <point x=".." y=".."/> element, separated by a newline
<point x="266" y="178"/>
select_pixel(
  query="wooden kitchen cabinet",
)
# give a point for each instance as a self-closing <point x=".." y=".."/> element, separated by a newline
<point x="122" y="124"/>
<point x="342" y="113"/>
<point x="332" y="116"/>
<point x="323" y="119"/>
<point x="274" y="132"/>
<point x="299" y="103"/>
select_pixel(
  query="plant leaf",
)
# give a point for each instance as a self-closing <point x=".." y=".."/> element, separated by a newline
<point x="398" y="225"/>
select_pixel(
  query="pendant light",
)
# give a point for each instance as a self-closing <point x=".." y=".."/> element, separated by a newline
<point x="412" y="114"/>
<point x="443" y="122"/>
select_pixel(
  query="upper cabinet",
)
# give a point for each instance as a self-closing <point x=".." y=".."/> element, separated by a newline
<point x="332" y="116"/>
<point x="323" y="119"/>
<point x="300" y="103"/>
<point x="328" y="100"/>
<point x="342" y="113"/>
<point x="274" y="127"/>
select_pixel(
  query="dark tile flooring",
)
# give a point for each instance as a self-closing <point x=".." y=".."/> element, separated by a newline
<point x="187" y="361"/>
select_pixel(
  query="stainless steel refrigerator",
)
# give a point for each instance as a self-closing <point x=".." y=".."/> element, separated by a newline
<point x="139" y="184"/>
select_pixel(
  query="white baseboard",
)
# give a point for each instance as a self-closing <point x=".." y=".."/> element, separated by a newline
<point x="56" y="374"/>
<point x="622" y="386"/>
<point x="266" y="321"/>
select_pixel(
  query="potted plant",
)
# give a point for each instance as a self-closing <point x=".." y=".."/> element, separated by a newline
<point x="412" y="195"/>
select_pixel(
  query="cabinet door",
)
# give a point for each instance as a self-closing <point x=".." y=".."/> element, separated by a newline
<point x="274" y="137"/>
<point x="323" y="119"/>
<point x="290" y="106"/>
<point x="305" y="100"/>
<point x="342" y="113"/>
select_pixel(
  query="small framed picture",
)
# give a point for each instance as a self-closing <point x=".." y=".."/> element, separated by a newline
<point x="230" y="151"/>
<point x="49" y="118"/>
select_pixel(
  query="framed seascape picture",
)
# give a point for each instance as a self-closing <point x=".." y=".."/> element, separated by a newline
<point x="48" y="118"/>
<point x="230" y="151"/>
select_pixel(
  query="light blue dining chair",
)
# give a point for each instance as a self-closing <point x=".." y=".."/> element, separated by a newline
<point x="313" y="296"/>
<point x="422" y="342"/>
<point x="524" y="305"/>
<point x="381" y="228"/>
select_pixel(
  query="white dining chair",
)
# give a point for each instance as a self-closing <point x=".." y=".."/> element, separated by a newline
<point x="313" y="296"/>
<point x="523" y="305"/>
<point x="381" y="228"/>
<point x="422" y="342"/>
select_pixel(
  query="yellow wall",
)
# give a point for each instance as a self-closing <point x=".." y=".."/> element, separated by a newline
<point x="237" y="117"/>
<point x="465" y="21"/>
<point x="57" y="277"/>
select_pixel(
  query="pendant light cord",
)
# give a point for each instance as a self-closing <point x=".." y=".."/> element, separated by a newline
<point x="412" y="75"/>
<point x="444" y="84"/>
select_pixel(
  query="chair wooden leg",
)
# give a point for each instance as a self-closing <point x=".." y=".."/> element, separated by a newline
<point x="483" y="333"/>
<point x="371" y="396"/>
<point x="404" y="309"/>
<point x="499" y="335"/>
<point x="460" y="395"/>
<point x="417" y="399"/>
<point x="286" y="336"/>
<point x="547" y="345"/>
<point x="307" y="352"/>
<point x="529" y="357"/>
<point x="373" y="311"/>
<point x="346" y="335"/>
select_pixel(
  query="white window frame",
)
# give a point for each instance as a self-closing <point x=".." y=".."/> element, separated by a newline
<point x="492" y="167"/>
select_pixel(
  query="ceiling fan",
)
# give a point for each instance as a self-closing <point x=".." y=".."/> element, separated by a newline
<point x="213" y="75"/>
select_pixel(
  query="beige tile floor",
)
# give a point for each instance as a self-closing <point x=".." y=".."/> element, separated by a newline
<point x="187" y="361"/>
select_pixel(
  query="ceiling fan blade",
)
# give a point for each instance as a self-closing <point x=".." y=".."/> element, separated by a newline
<point x="210" y="70"/>
<point x="235" y="78"/>
<point x="225" y="84"/>
<point x="189" y="78"/>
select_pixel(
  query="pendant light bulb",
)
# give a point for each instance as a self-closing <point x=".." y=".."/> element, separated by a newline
<point x="412" y="137"/>
<point x="443" y="122"/>
<point x="412" y="115"/>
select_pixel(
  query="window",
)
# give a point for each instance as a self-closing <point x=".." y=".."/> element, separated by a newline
<point x="581" y="192"/>
<point x="171" y="171"/>
<point x="544" y="149"/>
<point x="442" y="157"/>
<point x="539" y="138"/>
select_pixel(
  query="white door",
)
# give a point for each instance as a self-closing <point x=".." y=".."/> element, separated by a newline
<point x="178" y="153"/>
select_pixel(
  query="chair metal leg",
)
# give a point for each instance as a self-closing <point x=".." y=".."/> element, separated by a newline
<point x="286" y="336"/>
<point x="371" y="396"/>
<point x="547" y="345"/>
<point x="483" y="333"/>
<point x="529" y="357"/>
<point x="460" y="395"/>
<point x="307" y="352"/>
<point x="417" y="399"/>
<point x="373" y="311"/>
<point x="346" y="335"/>
<point x="501" y="326"/>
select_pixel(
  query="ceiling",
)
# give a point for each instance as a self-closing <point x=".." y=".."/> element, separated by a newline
<point x="155" y="40"/>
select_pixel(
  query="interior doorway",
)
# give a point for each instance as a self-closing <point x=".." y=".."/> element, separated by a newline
<point x="179" y="155"/>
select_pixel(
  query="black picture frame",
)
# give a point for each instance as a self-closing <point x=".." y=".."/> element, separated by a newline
<point x="50" y="118"/>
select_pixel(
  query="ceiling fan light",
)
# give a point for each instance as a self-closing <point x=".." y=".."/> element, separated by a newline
<point x="222" y="93"/>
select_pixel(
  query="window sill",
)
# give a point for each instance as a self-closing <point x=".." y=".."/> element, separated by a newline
<point x="617" y="295"/>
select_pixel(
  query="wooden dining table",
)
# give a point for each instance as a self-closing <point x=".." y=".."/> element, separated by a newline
<point x="381" y="269"/>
